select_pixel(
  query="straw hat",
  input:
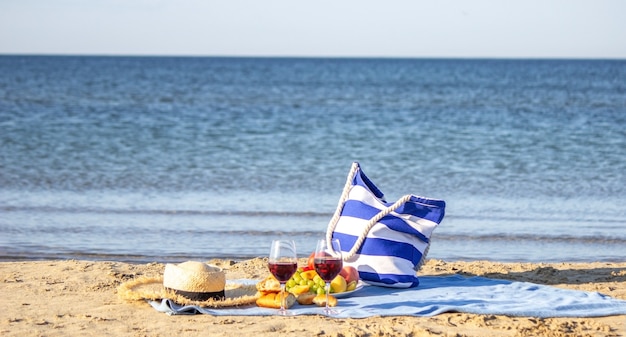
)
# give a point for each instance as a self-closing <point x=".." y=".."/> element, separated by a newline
<point x="195" y="280"/>
<point x="190" y="283"/>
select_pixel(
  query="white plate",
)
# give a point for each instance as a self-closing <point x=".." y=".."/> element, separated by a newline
<point x="359" y="285"/>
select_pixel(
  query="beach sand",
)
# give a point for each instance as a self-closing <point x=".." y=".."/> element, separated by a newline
<point x="74" y="298"/>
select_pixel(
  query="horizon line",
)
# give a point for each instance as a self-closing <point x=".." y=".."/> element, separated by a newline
<point x="261" y="56"/>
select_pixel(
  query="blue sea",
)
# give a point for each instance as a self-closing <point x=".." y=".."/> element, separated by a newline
<point x="163" y="159"/>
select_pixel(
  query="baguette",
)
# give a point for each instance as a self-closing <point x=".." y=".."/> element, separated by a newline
<point x="272" y="300"/>
<point x="321" y="300"/>
<point x="269" y="285"/>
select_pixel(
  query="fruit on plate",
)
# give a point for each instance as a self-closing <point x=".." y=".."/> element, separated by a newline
<point x="308" y="274"/>
<point x="351" y="286"/>
<point x="350" y="274"/>
<point x="299" y="289"/>
<point x="338" y="284"/>
<point x="305" y="281"/>
<point x="310" y="261"/>
<point x="308" y="281"/>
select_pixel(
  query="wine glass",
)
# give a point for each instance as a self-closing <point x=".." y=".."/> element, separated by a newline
<point x="328" y="263"/>
<point x="283" y="263"/>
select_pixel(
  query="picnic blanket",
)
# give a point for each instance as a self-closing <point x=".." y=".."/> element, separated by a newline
<point x="439" y="294"/>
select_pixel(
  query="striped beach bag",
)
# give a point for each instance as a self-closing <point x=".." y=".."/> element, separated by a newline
<point x="386" y="242"/>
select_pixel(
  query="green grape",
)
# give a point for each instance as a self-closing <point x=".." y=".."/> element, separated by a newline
<point x="320" y="291"/>
<point x="302" y="282"/>
<point x="290" y="283"/>
<point x="321" y="283"/>
<point x="310" y="283"/>
<point x="317" y="279"/>
<point x="296" y="277"/>
<point x="313" y="288"/>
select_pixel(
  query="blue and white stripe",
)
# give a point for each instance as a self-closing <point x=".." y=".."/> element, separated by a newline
<point x="395" y="246"/>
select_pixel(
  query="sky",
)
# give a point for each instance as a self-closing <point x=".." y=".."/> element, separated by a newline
<point x="321" y="28"/>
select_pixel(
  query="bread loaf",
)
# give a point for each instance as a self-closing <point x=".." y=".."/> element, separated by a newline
<point x="272" y="300"/>
<point x="306" y="298"/>
<point x="268" y="285"/>
<point x="321" y="300"/>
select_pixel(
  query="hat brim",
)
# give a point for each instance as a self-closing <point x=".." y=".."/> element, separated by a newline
<point x="151" y="288"/>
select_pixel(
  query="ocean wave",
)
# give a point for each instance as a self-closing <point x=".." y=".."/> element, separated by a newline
<point x="539" y="238"/>
<point x="146" y="211"/>
<point x="30" y="255"/>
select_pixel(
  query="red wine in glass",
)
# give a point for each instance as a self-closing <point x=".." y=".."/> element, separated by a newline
<point x="283" y="263"/>
<point x="328" y="263"/>
<point x="328" y="267"/>
<point x="283" y="270"/>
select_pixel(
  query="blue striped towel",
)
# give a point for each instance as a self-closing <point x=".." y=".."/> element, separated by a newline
<point x="440" y="294"/>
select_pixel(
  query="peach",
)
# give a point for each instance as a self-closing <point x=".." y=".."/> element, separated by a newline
<point x="349" y="273"/>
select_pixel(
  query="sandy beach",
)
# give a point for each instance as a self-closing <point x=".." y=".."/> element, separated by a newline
<point x="73" y="298"/>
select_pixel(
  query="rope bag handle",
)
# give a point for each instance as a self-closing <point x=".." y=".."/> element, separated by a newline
<point x="344" y="196"/>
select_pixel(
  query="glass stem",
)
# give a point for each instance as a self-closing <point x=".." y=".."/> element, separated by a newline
<point x="282" y="297"/>
<point x="327" y="292"/>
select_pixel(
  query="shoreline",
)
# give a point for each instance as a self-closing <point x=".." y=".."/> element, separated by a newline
<point x="77" y="297"/>
<point x="237" y="259"/>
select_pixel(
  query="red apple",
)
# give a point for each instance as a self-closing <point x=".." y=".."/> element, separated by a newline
<point x="310" y="261"/>
<point x="350" y="274"/>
